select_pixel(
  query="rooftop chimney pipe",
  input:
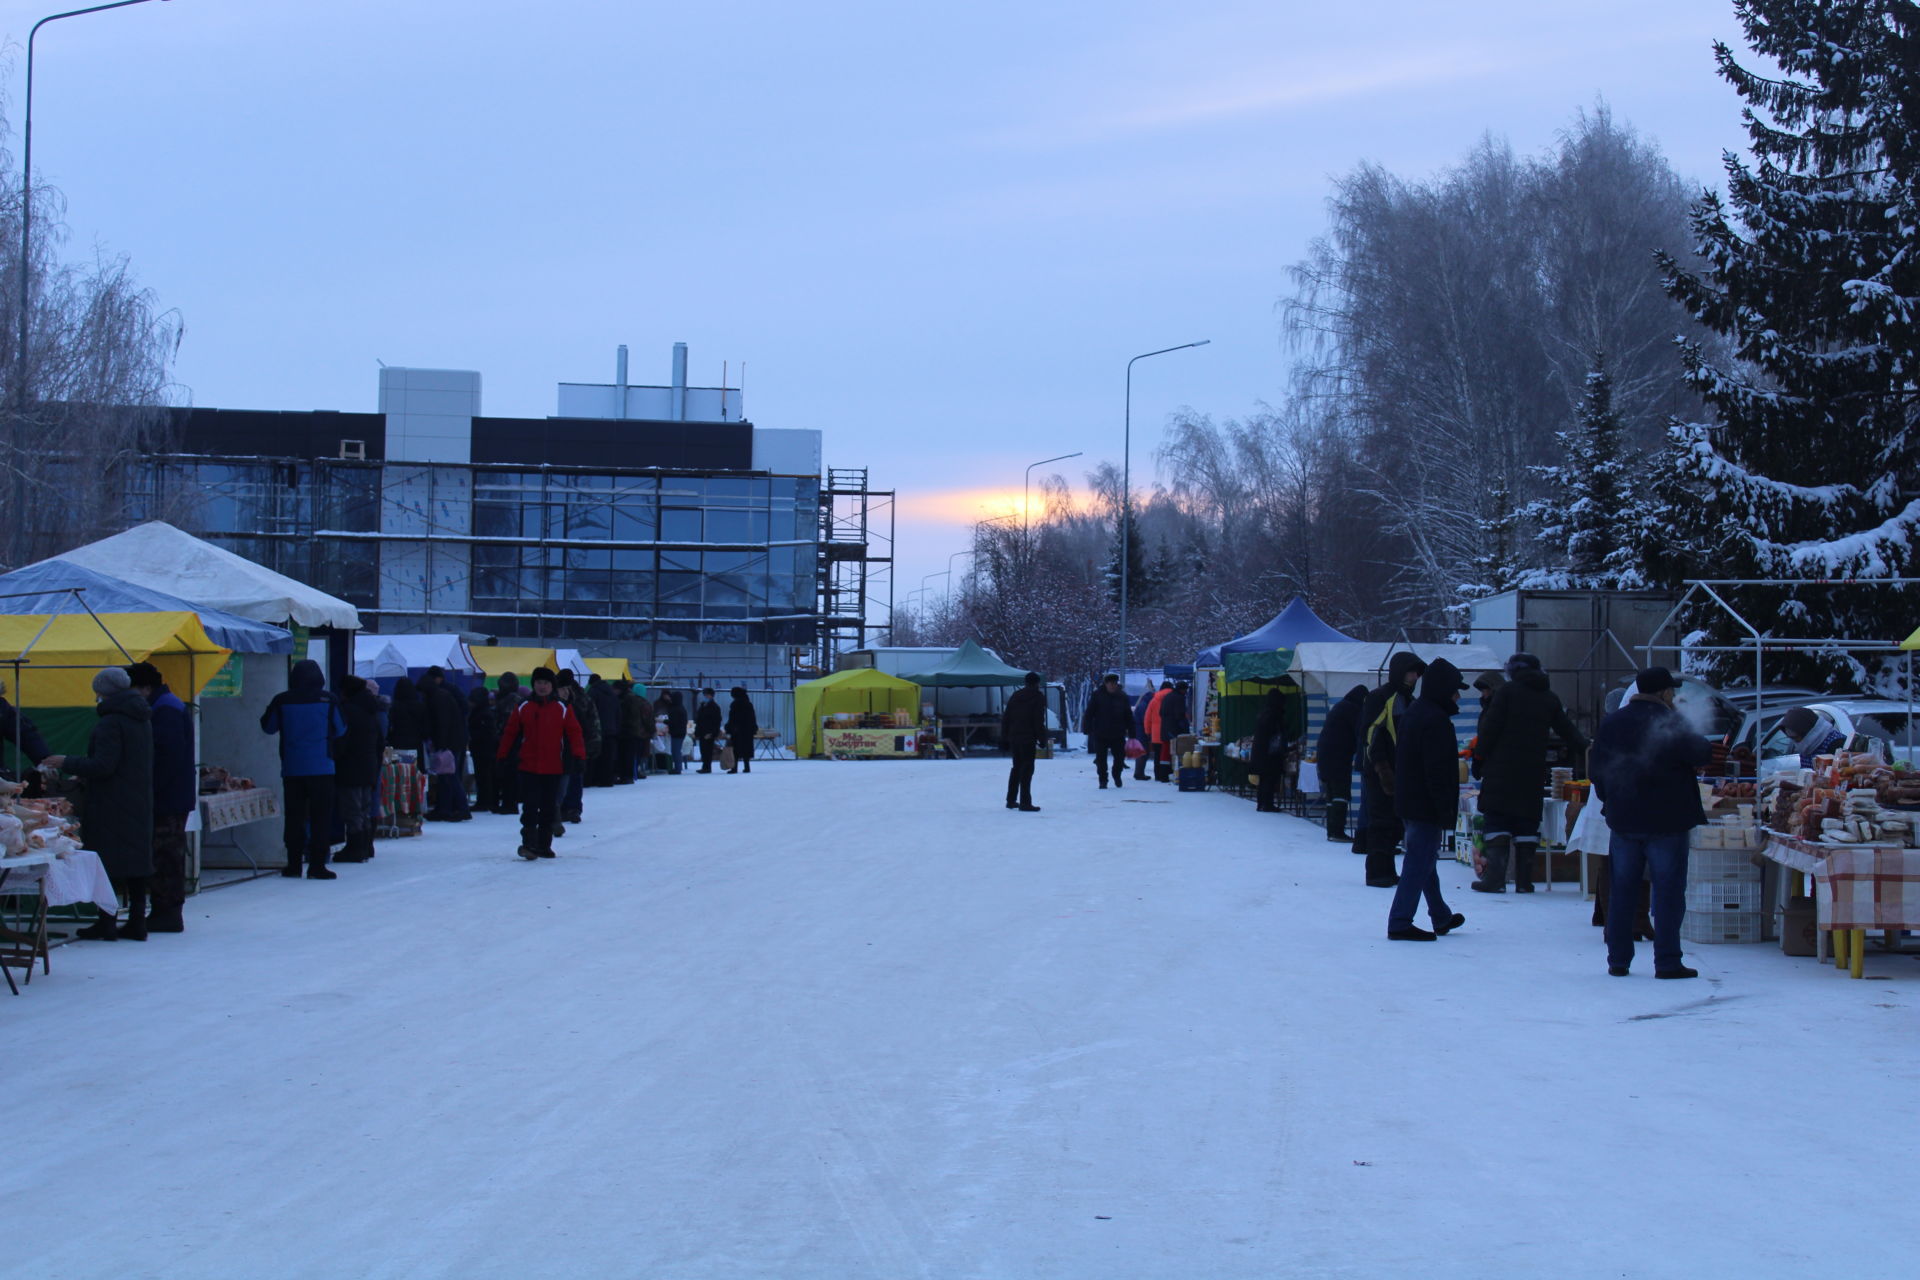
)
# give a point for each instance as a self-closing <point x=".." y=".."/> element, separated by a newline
<point x="620" y="382"/>
<point x="679" y="410"/>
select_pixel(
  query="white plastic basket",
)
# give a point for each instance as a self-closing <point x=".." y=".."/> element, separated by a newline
<point x="1722" y="897"/>
<point x="1707" y="865"/>
<point x="1722" y="926"/>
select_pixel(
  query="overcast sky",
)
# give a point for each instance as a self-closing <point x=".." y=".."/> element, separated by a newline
<point x="934" y="233"/>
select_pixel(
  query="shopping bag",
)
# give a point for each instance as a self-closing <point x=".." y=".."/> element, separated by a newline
<point x="443" y="763"/>
<point x="726" y="758"/>
<point x="1134" y="749"/>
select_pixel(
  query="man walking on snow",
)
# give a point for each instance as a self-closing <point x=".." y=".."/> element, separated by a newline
<point x="1022" y="725"/>
<point x="547" y="736"/>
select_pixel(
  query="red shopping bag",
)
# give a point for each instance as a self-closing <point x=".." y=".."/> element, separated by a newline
<point x="1134" y="749"/>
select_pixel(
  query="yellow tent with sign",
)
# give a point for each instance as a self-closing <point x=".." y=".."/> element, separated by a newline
<point x="58" y="654"/>
<point x="609" y="668"/>
<point x="844" y="692"/>
<point x="495" y="659"/>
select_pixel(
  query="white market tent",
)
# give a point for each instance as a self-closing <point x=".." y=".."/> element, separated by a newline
<point x="572" y="660"/>
<point x="448" y="652"/>
<point x="1330" y="668"/>
<point x="375" y="658"/>
<point x="167" y="559"/>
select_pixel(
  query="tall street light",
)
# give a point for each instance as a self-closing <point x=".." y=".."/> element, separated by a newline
<point x="20" y="391"/>
<point x="1027" y="480"/>
<point x="950" y="559"/>
<point x="1126" y="492"/>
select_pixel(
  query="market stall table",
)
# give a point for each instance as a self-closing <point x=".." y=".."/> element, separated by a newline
<point x="1857" y="887"/>
<point x="228" y="810"/>
<point x="56" y="880"/>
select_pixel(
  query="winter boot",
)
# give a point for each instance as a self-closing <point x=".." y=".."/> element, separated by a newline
<point x="135" y="929"/>
<point x="105" y="929"/>
<point x="1494" y="879"/>
<point x="321" y="873"/>
<point x="528" y="852"/>
<point x="293" y="867"/>
<point x="1523" y="851"/>
<point x="1336" y="819"/>
<point x="352" y="852"/>
<point x="1412" y="933"/>
<point x="166" y="920"/>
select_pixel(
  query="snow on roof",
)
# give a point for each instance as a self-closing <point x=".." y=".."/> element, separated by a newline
<point x="167" y="559"/>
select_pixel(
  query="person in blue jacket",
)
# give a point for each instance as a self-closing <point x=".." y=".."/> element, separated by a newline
<point x="309" y="722"/>
<point x="1645" y="763"/>
<point x="176" y="792"/>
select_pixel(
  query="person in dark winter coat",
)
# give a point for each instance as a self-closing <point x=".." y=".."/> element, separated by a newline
<point x="1645" y="762"/>
<point x="1140" y="706"/>
<point x="1173" y="720"/>
<point x="18" y="735"/>
<point x="1022" y="725"/>
<point x="636" y="733"/>
<point x="742" y="723"/>
<point x="1272" y="745"/>
<point x="1374" y="757"/>
<point x="483" y="739"/>
<point x="1333" y="751"/>
<point x="573" y="805"/>
<point x="1108" y="724"/>
<point x="606" y="708"/>
<point x="408" y="727"/>
<point x="176" y="793"/>
<point x="1510" y="755"/>
<point x="507" y="697"/>
<point x="446" y="731"/>
<point x="116" y="821"/>
<point x="1426" y="797"/>
<point x="544" y="736"/>
<point x="357" y="766"/>
<point x="706" y="730"/>
<point x="675" y="710"/>
<point x="308" y="721"/>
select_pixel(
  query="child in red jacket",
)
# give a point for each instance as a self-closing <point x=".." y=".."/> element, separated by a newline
<point x="546" y="733"/>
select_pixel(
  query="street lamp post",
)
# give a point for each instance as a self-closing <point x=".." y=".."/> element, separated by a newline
<point x="1026" y="481"/>
<point x="1126" y="492"/>
<point x="950" y="559"/>
<point x="22" y="354"/>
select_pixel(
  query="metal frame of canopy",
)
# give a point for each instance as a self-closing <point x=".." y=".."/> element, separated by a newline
<point x="21" y="659"/>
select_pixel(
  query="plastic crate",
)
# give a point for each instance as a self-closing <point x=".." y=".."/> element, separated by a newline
<point x="1708" y="865"/>
<point x="1722" y="926"/>
<point x="1721" y="897"/>
<point x="1192" y="780"/>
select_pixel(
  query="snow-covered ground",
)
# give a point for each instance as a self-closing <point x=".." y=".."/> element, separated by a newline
<point x="859" y="1020"/>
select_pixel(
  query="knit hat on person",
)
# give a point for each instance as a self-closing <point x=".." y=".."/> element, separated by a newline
<point x="542" y="673"/>
<point x="1112" y="677"/>
<point x="1521" y="662"/>
<point x="1655" y="680"/>
<point x="145" y="675"/>
<point x="1033" y="677"/>
<point x="110" y="680"/>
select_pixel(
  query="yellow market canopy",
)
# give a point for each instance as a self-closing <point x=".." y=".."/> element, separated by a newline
<point x="494" y="660"/>
<point x="608" y="668"/>
<point x="844" y="693"/>
<point x="1912" y="642"/>
<point x="57" y="667"/>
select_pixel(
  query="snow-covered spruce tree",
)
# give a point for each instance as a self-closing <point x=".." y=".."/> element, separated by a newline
<point x="1811" y="466"/>
<point x="1586" y="522"/>
<point x="1494" y="567"/>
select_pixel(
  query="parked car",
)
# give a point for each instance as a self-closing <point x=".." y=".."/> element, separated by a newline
<point x="1871" y="724"/>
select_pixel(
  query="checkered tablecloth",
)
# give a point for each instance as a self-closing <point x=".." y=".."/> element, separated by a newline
<point x="1864" y="886"/>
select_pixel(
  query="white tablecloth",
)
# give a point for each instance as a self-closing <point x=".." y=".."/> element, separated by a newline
<point x="77" y="877"/>
<point x="1590" y="832"/>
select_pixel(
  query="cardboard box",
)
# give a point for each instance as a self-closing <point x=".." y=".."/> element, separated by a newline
<point x="1798" y="927"/>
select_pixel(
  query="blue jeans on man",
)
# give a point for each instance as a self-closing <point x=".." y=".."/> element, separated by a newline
<point x="1661" y="857"/>
<point x="1419" y="876"/>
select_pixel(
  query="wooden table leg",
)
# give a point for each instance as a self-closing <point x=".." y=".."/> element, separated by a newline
<point x="1856" y="952"/>
<point x="1839" y="940"/>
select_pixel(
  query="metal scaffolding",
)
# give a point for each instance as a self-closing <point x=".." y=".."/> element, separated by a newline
<point x="856" y="564"/>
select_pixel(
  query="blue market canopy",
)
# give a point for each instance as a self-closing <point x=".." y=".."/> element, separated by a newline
<point x="1294" y="625"/>
<point x="48" y="589"/>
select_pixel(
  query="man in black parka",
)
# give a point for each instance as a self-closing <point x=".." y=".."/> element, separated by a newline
<point x="1510" y="753"/>
<point x="1374" y="757"/>
<point x="357" y="763"/>
<point x="1426" y="798"/>
<point x="1108" y="723"/>
<point x="1339" y="736"/>
<point x="1022" y="725"/>
<point x="116" y="819"/>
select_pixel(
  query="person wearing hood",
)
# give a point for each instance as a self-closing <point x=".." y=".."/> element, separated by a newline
<point x="675" y="710"/>
<point x="742" y="723"/>
<point x="706" y="729"/>
<point x="1812" y="733"/>
<point x="483" y="739"/>
<point x="357" y="767"/>
<point x="1510" y="755"/>
<point x="116" y="820"/>
<point x="606" y="709"/>
<point x="545" y="737"/>
<point x="446" y="716"/>
<point x="1333" y="751"/>
<point x="636" y="733"/>
<point x="1023" y="723"/>
<point x="407" y="725"/>
<point x="1175" y="722"/>
<point x="1645" y="764"/>
<point x="507" y="697"/>
<point x="1374" y="757"/>
<point x="1108" y="724"/>
<point x="1426" y="798"/>
<point x="309" y="722"/>
<point x="573" y="804"/>
<point x="17" y="733"/>
<point x="1140" y="707"/>
<point x="176" y="793"/>
<point x="1273" y="742"/>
